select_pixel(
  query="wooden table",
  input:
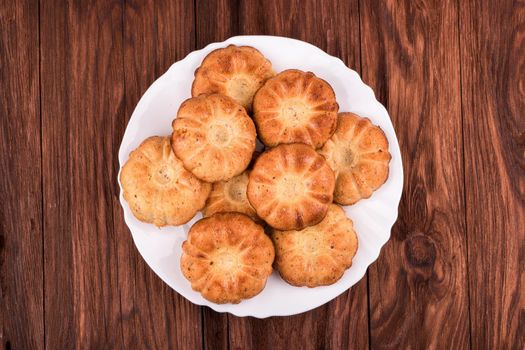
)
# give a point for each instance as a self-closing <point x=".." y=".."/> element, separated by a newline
<point x="452" y="76"/>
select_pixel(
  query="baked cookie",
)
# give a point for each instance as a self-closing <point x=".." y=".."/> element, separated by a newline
<point x="157" y="187"/>
<point x="291" y="187"/>
<point x="214" y="137"/>
<point x="317" y="255"/>
<point x="234" y="71"/>
<point x="230" y="196"/>
<point x="358" y="154"/>
<point x="227" y="258"/>
<point x="295" y="106"/>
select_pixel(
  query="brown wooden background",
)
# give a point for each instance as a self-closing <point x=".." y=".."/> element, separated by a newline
<point x="452" y="75"/>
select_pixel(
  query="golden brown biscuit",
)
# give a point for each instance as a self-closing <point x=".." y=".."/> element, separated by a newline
<point x="227" y="258"/>
<point x="295" y="106"/>
<point x="234" y="71"/>
<point x="214" y="137"/>
<point x="291" y="187"/>
<point x="230" y="196"/>
<point x="317" y="255"/>
<point x="157" y="187"/>
<point x="358" y="154"/>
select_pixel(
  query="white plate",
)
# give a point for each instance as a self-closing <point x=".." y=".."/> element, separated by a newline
<point x="373" y="218"/>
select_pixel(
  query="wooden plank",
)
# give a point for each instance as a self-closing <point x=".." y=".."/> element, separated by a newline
<point x="156" y="34"/>
<point x="21" y="271"/>
<point x="82" y="100"/>
<point x="334" y="27"/>
<point x="418" y="287"/>
<point x="492" y="41"/>
<point x="215" y="329"/>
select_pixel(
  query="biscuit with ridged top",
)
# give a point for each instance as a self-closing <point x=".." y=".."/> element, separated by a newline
<point x="358" y="154"/>
<point x="230" y="196"/>
<point x="157" y="187"/>
<point x="291" y="187"/>
<point x="295" y="107"/>
<point x="234" y="71"/>
<point x="214" y="137"/>
<point x="227" y="258"/>
<point x="317" y="255"/>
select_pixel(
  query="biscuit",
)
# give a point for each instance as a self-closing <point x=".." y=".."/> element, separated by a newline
<point x="230" y="196"/>
<point x="214" y="137"/>
<point x="358" y="154"/>
<point x="317" y="255"/>
<point x="227" y="258"/>
<point x="291" y="187"/>
<point x="295" y="107"/>
<point x="234" y="71"/>
<point x="157" y="187"/>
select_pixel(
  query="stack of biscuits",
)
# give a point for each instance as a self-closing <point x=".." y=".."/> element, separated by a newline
<point x="279" y="208"/>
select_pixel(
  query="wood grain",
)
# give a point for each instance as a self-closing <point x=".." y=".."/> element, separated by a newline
<point x="493" y="94"/>
<point x="418" y="286"/>
<point x="334" y="27"/>
<point x="21" y="270"/>
<point x="153" y="314"/>
<point x="215" y="329"/>
<point x="82" y="100"/>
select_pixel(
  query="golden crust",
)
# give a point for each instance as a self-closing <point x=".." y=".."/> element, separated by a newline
<point x="214" y="137"/>
<point x="291" y="187"/>
<point x="234" y="71"/>
<point x="158" y="188"/>
<point x="317" y="255"/>
<point x="295" y="107"/>
<point x="227" y="258"/>
<point x="230" y="196"/>
<point x="358" y="154"/>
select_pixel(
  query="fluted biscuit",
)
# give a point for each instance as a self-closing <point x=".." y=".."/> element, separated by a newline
<point x="291" y="187"/>
<point x="234" y="71"/>
<point x="157" y="187"/>
<point x="317" y="255"/>
<point x="230" y="196"/>
<point x="358" y="154"/>
<point x="227" y="258"/>
<point x="214" y="137"/>
<point x="295" y="107"/>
